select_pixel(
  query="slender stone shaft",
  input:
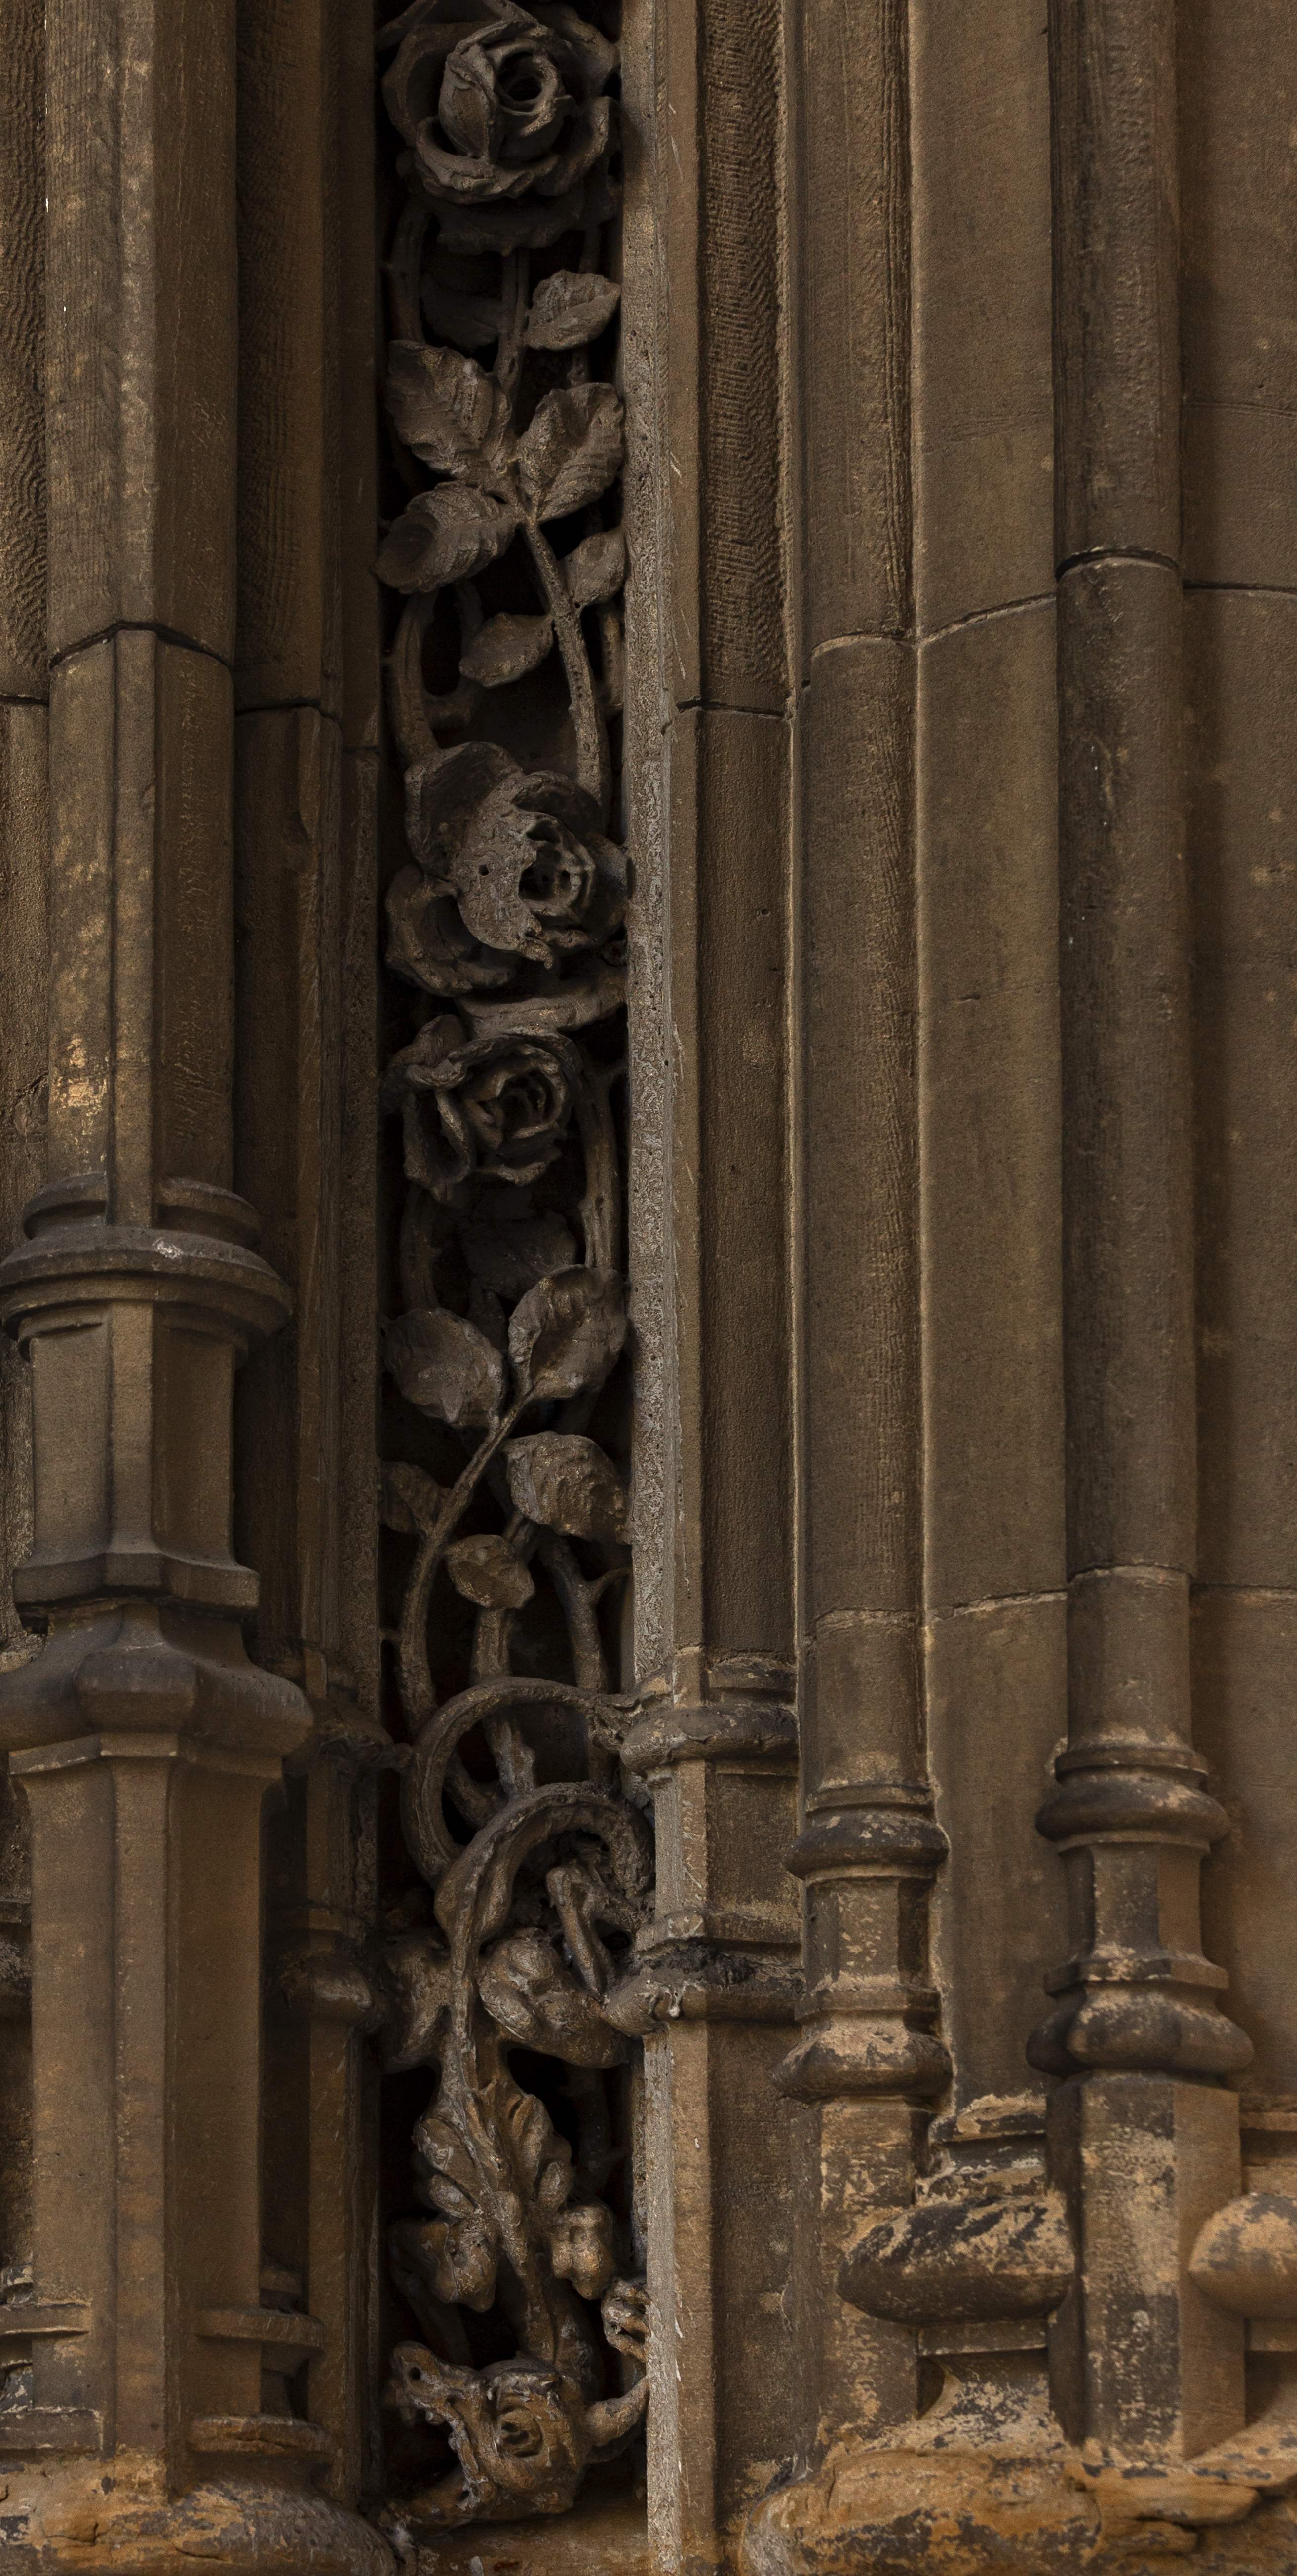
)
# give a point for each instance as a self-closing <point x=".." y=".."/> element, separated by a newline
<point x="869" y="1846"/>
<point x="715" y="1982"/>
<point x="142" y="1739"/>
<point x="24" y="962"/>
<point x="1136" y="2007"/>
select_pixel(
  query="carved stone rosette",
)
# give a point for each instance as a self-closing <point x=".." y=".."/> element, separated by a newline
<point x="503" y="1487"/>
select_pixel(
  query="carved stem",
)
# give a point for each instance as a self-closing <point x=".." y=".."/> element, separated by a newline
<point x="404" y="270"/>
<point x="592" y="762"/>
<point x="578" y="1598"/>
<point x="601" y="1204"/>
<point x="418" y="1697"/>
<point x="514" y="289"/>
<point x="493" y="1629"/>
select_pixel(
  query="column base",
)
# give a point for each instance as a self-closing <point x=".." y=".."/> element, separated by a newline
<point x="962" y="2512"/>
<point x="106" y="2515"/>
<point x="991" y="2513"/>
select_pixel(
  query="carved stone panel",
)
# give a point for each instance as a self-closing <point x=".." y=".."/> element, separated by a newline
<point x="527" y="1869"/>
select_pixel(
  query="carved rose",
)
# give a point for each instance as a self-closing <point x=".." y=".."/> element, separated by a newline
<point x="505" y="108"/>
<point x="494" y="1108"/>
<point x="520" y="850"/>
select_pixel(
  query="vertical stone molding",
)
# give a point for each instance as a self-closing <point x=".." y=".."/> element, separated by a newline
<point x="870" y="1846"/>
<point x="306" y="686"/>
<point x="24" y="956"/>
<point x="1138" y="2007"/>
<point x="648" y="1361"/>
<point x="999" y="1373"/>
<point x="139" y="2316"/>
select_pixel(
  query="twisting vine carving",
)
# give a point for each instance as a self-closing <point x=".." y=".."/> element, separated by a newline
<point x="507" y="923"/>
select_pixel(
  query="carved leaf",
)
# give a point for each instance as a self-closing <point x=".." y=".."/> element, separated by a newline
<point x="596" y="568"/>
<point x="570" y="308"/>
<point x="448" y="411"/>
<point x="565" y="1482"/>
<point x="445" y="535"/>
<point x="486" y="1570"/>
<point x="429" y="943"/>
<point x="537" y="2151"/>
<point x="572" y="449"/>
<point x="505" y="649"/>
<point x="510" y="1254"/>
<point x="445" y="1366"/>
<point x="565" y="1334"/>
<point x="409" y="1499"/>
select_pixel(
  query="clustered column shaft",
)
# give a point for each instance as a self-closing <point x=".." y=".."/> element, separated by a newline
<point x="143" y="1739"/>
<point x="869" y="1846"/>
<point x="1137" y="2009"/>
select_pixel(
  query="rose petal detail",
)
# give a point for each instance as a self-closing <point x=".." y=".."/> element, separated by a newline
<point x="428" y="944"/>
<point x="585" y="143"/>
<point x="521" y="852"/>
<point x="590" y="56"/>
<point x="471" y="181"/>
<point x="496" y="1106"/>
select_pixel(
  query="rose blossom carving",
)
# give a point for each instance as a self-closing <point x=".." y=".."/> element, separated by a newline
<point x="520" y="851"/>
<point x="505" y="108"/>
<point x="493" y="1108"/>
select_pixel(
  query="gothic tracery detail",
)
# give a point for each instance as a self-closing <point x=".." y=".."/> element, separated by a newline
<point x="505" y="1488"/>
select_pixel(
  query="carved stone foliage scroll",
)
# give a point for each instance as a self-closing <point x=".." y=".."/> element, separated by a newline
<point x="504" y="1488"/>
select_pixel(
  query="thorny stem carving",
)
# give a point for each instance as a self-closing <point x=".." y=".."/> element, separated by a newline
<point x="507" y="924"/>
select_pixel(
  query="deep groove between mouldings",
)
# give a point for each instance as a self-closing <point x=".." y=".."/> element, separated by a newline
<point x="139" y="626"/>
<point x="1115" y="555"/>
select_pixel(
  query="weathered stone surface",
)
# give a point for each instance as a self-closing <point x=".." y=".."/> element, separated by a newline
<point x="22" y="356"/>
<point x="644" y="769"/>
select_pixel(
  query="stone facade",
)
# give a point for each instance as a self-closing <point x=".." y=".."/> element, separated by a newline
<point x="649" y="1392"/>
